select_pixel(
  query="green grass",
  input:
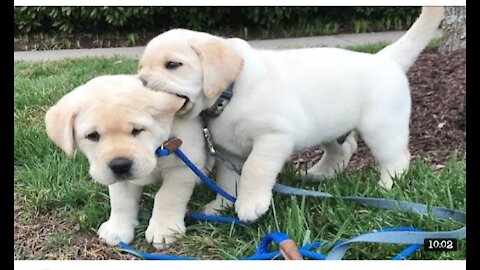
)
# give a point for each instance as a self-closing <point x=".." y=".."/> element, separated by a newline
<point x="44" y="179"/>
<point x="375" y="47"/>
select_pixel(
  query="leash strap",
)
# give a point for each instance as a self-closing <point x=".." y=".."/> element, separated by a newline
<point x="148" y="256"/>
<point x="393" y="237"/>
<point x="211" y="184"/>
<point x="411" y="237"/>
<point x="418" y="208"/>
<point x="287" y="249"/>
<point x="226" y="162"/>
<point x="204" y="217"/>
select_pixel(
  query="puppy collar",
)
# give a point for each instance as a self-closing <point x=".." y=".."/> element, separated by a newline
<point x="214" y="111"/>
<point x="217" y="108"/>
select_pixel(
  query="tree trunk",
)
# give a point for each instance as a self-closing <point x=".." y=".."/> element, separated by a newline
<point x="454" y="28"/>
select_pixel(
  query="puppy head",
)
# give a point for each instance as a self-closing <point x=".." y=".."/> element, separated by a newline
<point x="193" y="64"/>
<point x="116" y="123"/>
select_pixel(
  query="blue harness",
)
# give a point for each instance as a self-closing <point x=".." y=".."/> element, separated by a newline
<point x="288" y="250"/>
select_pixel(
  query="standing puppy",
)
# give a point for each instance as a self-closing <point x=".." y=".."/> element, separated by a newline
<point x="285" y="101"/>
<point x="118" y="124"/>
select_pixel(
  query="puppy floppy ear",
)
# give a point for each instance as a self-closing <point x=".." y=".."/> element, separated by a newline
<point x="59" y="122"/>
<point x="221" y="64"/>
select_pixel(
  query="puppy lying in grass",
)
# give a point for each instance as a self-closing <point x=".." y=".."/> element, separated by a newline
<point x="118" y="124"/>
<point x="288" y="100"/>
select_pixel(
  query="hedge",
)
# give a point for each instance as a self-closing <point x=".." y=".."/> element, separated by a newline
<point x="70" y="20"/>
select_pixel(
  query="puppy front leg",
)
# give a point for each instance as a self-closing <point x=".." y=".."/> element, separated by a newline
<point x="124" y="200"/>
<point x="170" y="207"/>
<point x="259" y="174"/>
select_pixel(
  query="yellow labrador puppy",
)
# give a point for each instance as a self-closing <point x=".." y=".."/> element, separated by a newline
<point x="285" y="101"/>
<point x="118" y="124"/>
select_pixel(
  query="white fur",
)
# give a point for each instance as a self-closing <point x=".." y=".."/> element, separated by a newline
<point x="286" y="101"/>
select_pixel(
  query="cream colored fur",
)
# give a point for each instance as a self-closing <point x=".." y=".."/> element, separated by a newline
<point x="113" y="106"/>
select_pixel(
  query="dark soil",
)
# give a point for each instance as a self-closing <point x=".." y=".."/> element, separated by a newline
<point x="40" y="237"/>
<point x="80" y="41"/>
<point x="438" y="119"/>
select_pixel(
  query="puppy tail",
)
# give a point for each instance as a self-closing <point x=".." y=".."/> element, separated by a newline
<point x="406" y="50"/>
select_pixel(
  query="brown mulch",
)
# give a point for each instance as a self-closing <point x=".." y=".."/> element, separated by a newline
<point x="438" y="119"/>
<point x="438" y="126"/>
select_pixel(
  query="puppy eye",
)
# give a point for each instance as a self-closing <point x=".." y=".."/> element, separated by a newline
<point x="94" y="136"/>
<point x="172" y="65"/>
<point x="137" y="131"/>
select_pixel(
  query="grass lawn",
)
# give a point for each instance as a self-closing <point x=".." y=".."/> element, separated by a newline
<point x="45" y="180"/>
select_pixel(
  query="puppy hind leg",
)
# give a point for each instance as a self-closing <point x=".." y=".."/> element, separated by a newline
<point x="389" y="146"/>
<point x="335" y="159"/>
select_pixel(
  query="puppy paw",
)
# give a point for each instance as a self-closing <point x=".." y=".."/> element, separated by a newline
<point x="113" y="232"/>
<point x="320" y="174"/>
<point x="333" y="163"/>
<point x="251" y="207"/>
<point x="386" y="182"/>
<point x="214" y="207"/>
<point x="349" y="147"/>
<point x="161" y="235"/>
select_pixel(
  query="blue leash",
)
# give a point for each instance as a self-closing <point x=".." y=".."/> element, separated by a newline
<point x="263" y="253"/>
<point x="392" y="237"/>
<point x="403" y="235"/>
<point x="211" y="184"/>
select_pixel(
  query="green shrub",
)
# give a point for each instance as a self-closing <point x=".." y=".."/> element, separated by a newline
<point x="71" y="20"/>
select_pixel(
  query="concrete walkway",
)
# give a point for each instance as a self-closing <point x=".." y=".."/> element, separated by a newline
<point x="341" y="40"/>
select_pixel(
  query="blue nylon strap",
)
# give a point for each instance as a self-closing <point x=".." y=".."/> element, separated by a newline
<point x="204" y="217"/>
<point x="417" y="238"/>
<point x="148" y="256"/>
<point x="211" y="184"/>
<point x="306" y="252"/>
<point x="418" y="208"/>
<point x="276" y="237"/>
<point x="406" y="252"/>
<point x="263" y="253"/>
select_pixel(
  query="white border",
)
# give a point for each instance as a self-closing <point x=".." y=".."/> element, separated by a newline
<point x="239" y="3"/>
<point x="238" y="265"/>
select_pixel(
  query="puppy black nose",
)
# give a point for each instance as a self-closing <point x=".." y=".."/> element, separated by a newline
<point x="144" y="82"/>
<point x="120" y="166"/>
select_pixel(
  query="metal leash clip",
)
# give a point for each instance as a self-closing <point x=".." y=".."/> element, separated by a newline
<point x="208" y="139"/>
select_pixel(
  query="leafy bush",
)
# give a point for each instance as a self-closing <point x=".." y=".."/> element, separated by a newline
<point x="71" y="20"/>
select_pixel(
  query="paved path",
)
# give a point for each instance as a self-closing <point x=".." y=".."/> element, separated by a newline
<point x="341" y="40"/>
